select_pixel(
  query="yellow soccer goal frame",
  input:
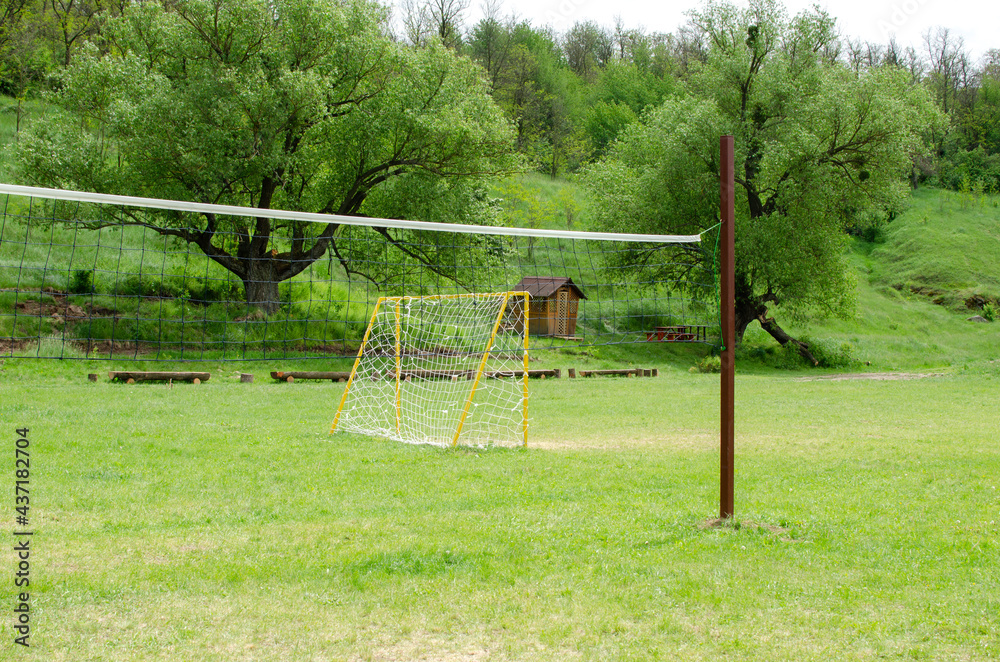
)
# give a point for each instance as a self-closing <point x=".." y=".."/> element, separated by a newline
<point x="480" y="373"/>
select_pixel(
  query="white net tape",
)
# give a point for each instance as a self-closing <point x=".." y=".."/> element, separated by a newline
<point x="441" y="370"/>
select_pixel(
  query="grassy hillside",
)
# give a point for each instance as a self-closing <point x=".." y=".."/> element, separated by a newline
<point x="946" y="246"/>
<point x="935" y="266"/>
<point x="930" y="269"/>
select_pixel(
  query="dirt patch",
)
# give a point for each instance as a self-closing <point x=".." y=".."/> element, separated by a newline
<point x="679" y="440"/>
<point x="8" y="346"/>
<point x="113" y="347"/>
<point x="427" y="648"/>
<point x="61" y="310"/>
<point x="871" y="376"/>
<point x="779" y="532"/>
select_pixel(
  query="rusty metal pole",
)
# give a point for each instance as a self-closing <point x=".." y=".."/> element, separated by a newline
<point x="727" y="258"/>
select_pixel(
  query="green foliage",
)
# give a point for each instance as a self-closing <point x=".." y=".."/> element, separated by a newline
<point x="831" y="354"/>
<point x="989" y="312"/>
<point x="801" y="178"/>
<point x="760" y="352"/>
<point x="605" y="121"/>
<point x="534" y="201"/>
<point x="316" y="111"/>
<point x="970" y="171"/>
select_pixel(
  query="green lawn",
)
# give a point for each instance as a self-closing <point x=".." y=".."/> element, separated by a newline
<point x="222" y="522"/>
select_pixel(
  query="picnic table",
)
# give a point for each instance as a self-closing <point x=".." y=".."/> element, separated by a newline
<point x="670" y="334"/>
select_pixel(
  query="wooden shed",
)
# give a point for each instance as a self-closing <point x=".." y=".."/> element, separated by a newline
<point x="553" y="305"/>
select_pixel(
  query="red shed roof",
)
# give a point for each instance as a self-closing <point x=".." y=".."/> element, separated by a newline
<point x="546" y="286"/>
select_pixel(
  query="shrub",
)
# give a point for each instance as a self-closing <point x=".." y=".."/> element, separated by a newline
<point x="770" y="355"/>
<point x="82" y="282"/>
<point x="206" y="290"/>
<point x="709" y="364"/>
<point x="967" y="170"/>
<point x="830" y="354"/>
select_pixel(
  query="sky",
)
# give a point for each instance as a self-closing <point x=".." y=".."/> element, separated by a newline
<point x="976" y="23"/>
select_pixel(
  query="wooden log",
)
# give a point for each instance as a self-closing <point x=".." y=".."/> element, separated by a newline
<point x="334" y="376"/>
<point x="540" y="373"/>
<point x="246" y="378"/>
<point x="453" y="375"/>
<point x="626" y="372"/>
<point x="572" y="373"/>
<point x="144" y="376"/>
<point x="195" y="381"/>
<point x="409" y="375"/>
<point x="92" y="377"/>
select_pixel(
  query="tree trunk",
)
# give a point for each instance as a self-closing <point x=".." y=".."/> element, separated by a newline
<point x="750" y="308"/>
<point x="769" y="325"/>
<point x="261" y="284"/>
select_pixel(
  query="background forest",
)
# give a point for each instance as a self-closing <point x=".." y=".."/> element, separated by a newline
<point x="569" y="94"/>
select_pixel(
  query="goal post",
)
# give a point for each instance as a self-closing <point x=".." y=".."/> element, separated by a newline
<point x="444" y="369"/>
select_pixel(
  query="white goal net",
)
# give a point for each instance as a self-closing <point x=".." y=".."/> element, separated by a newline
<point x="443" y="370"/>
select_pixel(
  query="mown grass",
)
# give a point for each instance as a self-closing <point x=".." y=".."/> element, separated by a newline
<point x="221" y="522"/>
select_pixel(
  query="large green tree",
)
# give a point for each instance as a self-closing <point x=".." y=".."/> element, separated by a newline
<point x="817" y="147"/>
<point x="293" y="104"/>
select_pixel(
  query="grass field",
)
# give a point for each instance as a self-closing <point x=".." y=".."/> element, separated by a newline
<point x="222" y="522"/>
